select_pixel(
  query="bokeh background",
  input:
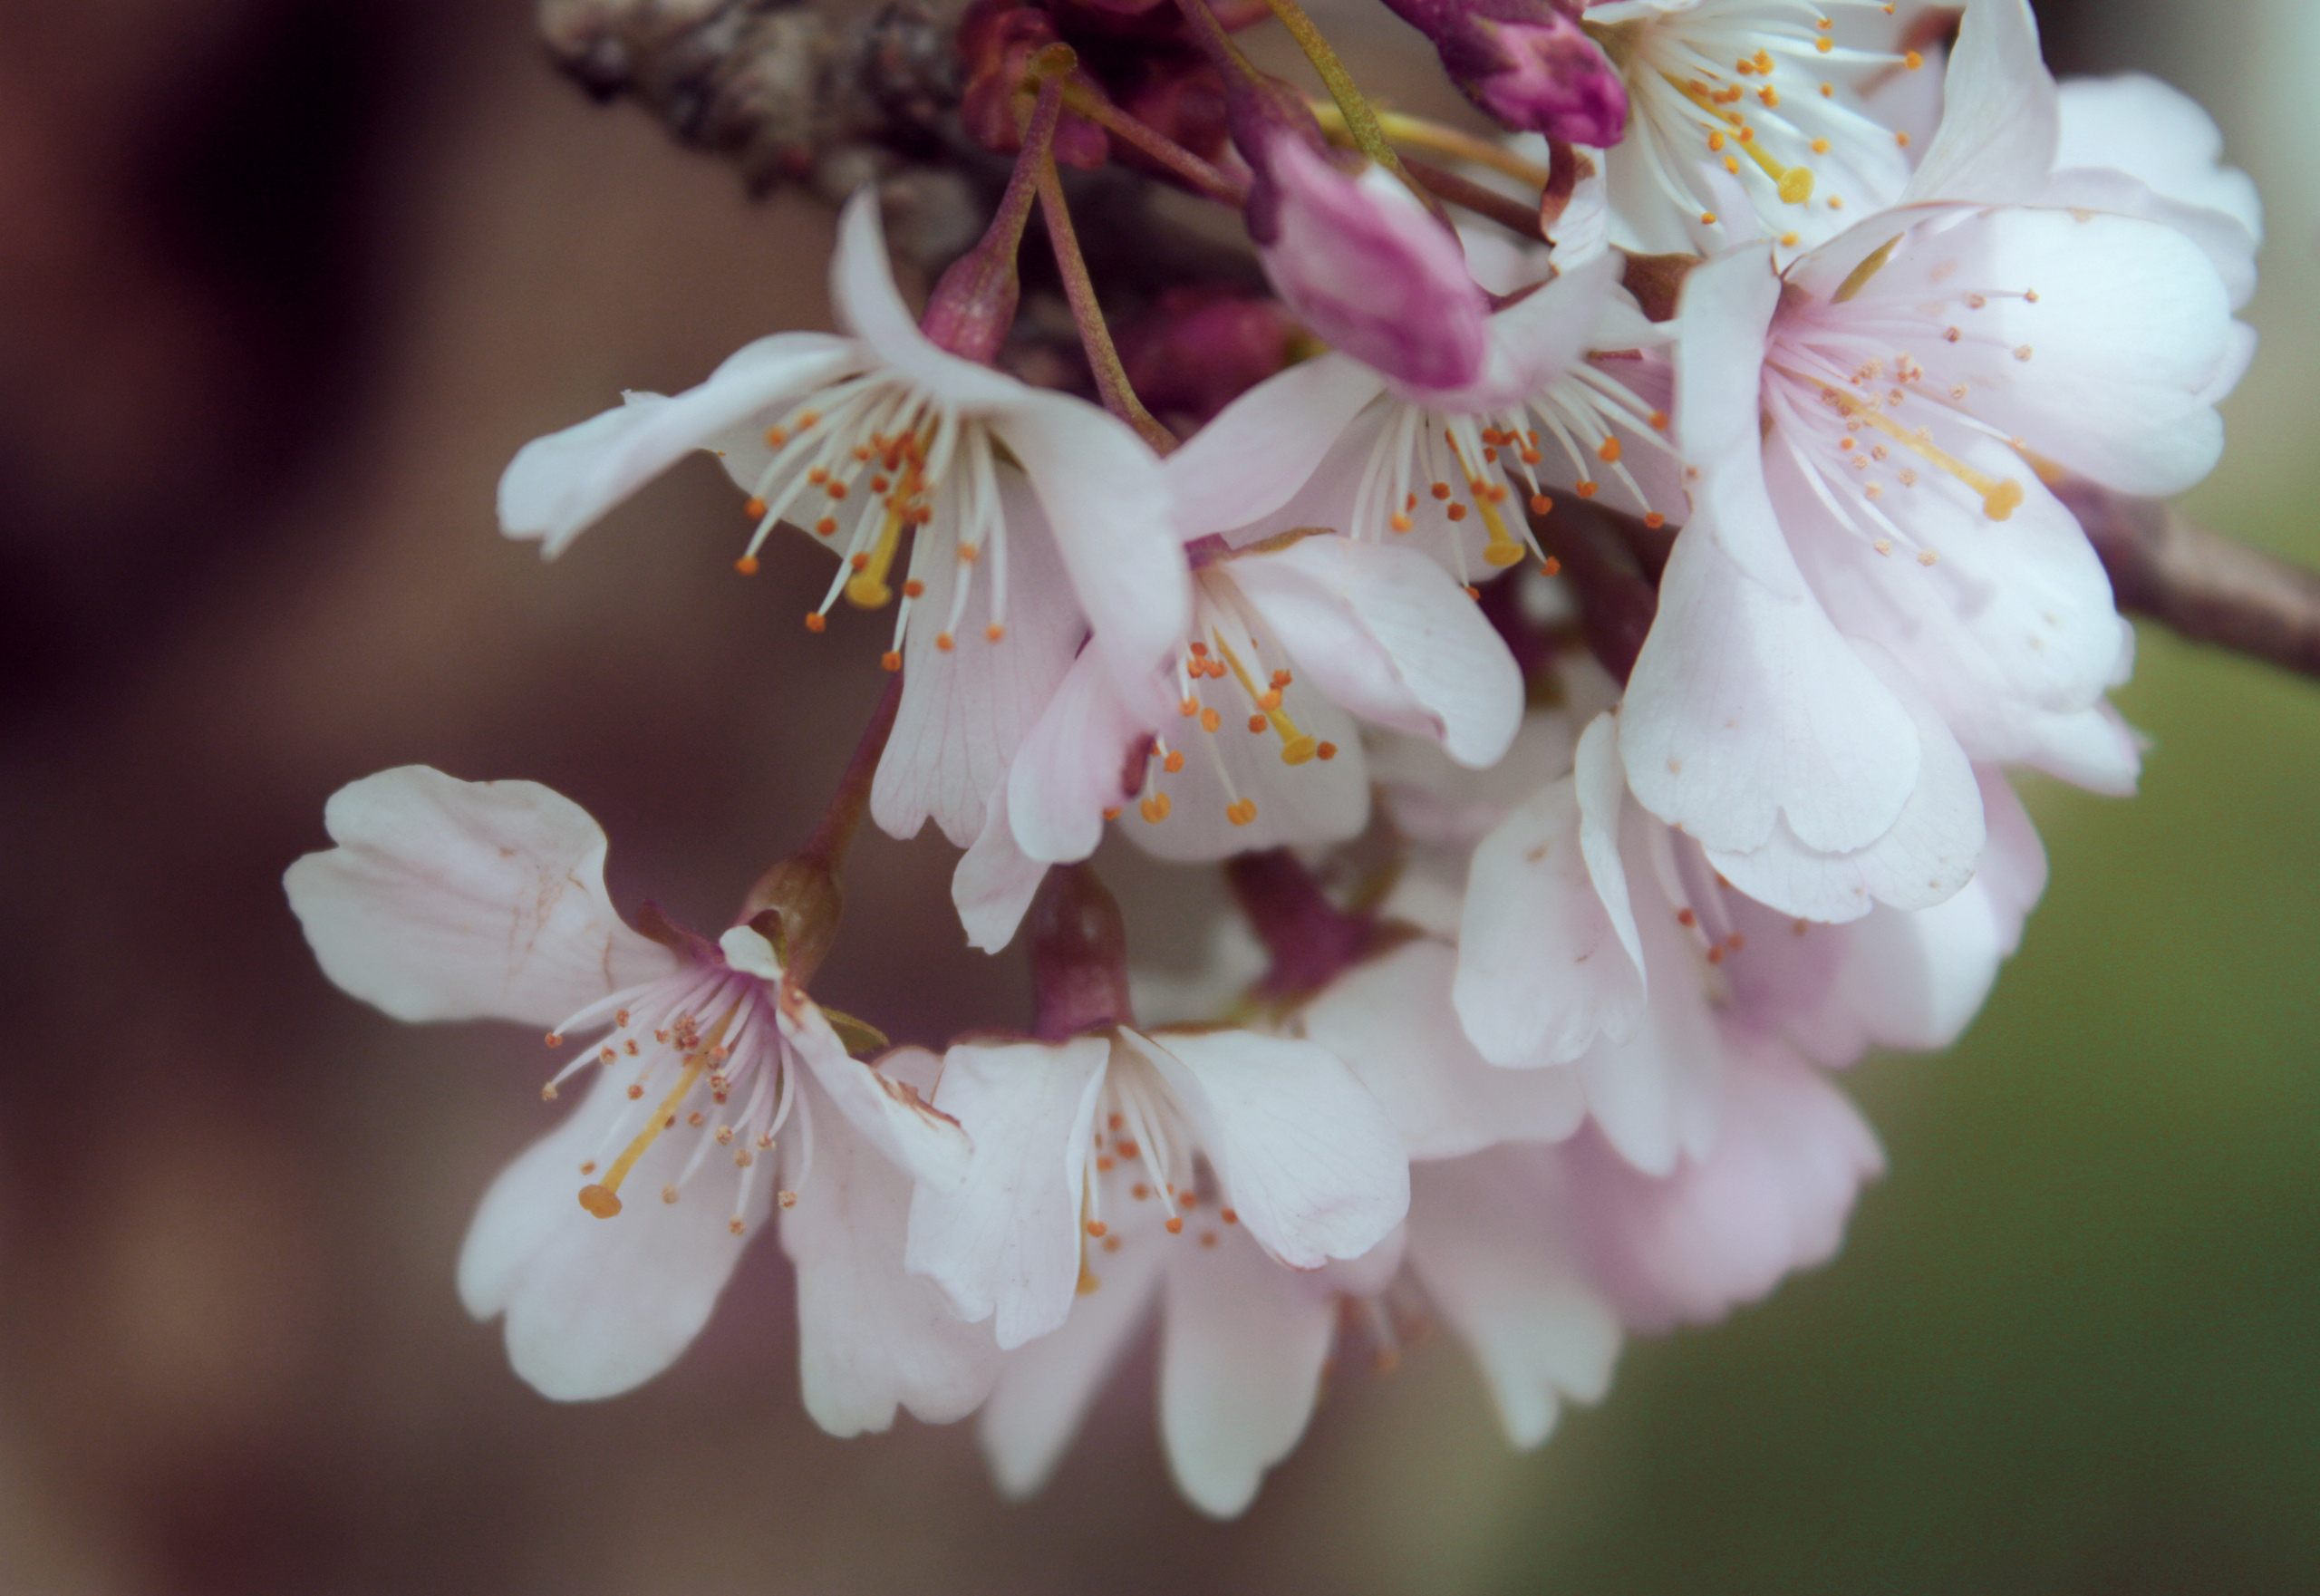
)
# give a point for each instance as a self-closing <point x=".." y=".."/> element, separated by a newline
<point x="283" y="283"/>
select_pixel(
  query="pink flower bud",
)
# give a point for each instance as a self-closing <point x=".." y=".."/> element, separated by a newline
<point x="1202" y="347"/>
<point x="1369" y="270"/>
<point x="1527" y="64"/>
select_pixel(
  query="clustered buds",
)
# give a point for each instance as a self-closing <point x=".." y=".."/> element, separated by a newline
<point x="1526" y="63"/>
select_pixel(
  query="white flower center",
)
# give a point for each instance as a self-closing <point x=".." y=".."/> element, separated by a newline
<point x="696" y="1039"/>
<point x="867" y="459"/>
<point x="1469" y="463"/>
<point x="1233" y="669"/>
<point x="1144" y="1153"/>
<point x="1701" y="89"/>
<point x="1866" y="393"/>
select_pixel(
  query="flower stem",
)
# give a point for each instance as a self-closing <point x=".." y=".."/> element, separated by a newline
<point x="851" y="801"/>
<point x="1469" y="195"/>
<point x="1360" y="121"/>
<point x="1204" y="176"/>
<point x="1311" y="939"/>
<point x="1418" y="132"/>
<point x="1095" y="336"/>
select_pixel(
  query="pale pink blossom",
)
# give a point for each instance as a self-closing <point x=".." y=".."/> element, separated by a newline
<point x="722" y="1096"/>
<point x="1382" y="453"/>
<point x="1032" y="510"/>
<point x="1250" y="741"/>
<point x="1072" y="1139"/>
<point x="1879" y="587"/>
<point x="1748" y="103"/>
<point x="1595" y="939"/>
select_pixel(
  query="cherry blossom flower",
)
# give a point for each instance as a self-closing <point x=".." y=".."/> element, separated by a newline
<point x="1251" y="744"/>
<point x="721" y="1089"/>
<point x="1024" y="510"/>
<point x="1869" y="428"/>
<point x="1756" y="101"/>
<point x="1384" y="443"/>
<point x="1070" y="1138"/>
<point x="1593" y="937"/>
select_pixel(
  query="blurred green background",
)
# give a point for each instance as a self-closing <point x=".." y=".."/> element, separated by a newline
<point x="283" y="285"/>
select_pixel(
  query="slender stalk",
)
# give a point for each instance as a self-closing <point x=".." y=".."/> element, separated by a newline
<point x="1095" y="336"/>
<point x="1468" y="195"/>
<point x="1203" y="176"/>
<point x="1360" y="121"/>
<point x="851" y="801"/>
<point x="1014" y="210"/>
<point x="1418" y="132"/>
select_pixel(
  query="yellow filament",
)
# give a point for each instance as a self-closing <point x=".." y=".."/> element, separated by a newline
<point x="1858" y="278"/>
<point x="1296" y="748"/>
<point x="1502" y="551"/>
<point x="603" y="1199"/>
<point x="1999" y="499"/>
<point x="1796" y="182"/>
<point x="866" y="589"/>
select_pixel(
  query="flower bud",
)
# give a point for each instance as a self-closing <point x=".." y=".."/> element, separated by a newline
<point x="997" y="40"/>
<point x="1078" y="954"/>
<point x="1202" y="347"/>
<point x="1370" y="270"/>
<point x="1527" y="64"/>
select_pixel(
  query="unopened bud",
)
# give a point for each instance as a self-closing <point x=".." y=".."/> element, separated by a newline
<point x="1202" y="347"/>
<point x="1371" y="271"/>
<point x="1078" y="954"/>
<point x="999" y="40"/>
<point x="1527" y="64"/>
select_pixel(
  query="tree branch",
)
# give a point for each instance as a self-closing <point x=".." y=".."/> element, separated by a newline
<point x="2203" y="584"/>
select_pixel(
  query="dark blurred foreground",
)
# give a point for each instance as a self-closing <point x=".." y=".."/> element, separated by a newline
<point x="282" y="285"/>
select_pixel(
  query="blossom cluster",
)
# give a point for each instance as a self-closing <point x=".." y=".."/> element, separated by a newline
<point x="1593" y="651"/>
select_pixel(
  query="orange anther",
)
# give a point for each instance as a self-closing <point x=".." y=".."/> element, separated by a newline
<point x="775" y="437"/>
<point x="995" y="632"/>
<point x="1399" y="522"/>
<point x="1175" y="1225"/>
<point x="1270" y="699"/>
<point x="1550" y="565"/>
<point x="815" y="621"/>
<point x="945" y="641"/>
<point x="913" y="588"/>
<point x="1456" y="512"/>
<point x="1586" y="489"/>
<point x="1188" y="708"/>
<point x="1174" y="762"/>
<point x="825" y="527"/>
<point x="1209" y="719"/>
<point x="1540" y="504"/>
<point x="1441" y="491"/>
<point x="1200" y="650"/>
<point x="1607" y="450"/>
<point x="891" y="660"/>
<point x="969" y="553"/>
<point x="1655" y="520"/>
<point x="747" y="565"/>
<point x="756" y="508"/>
<point x="1096" y="1227"/>
<point x="860" y="562"/>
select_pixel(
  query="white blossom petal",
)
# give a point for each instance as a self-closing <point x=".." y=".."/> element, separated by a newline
<point x="1548" y="957"/>
<point x="2000" y="123"/>
<point x="965" y="709"/>
<point x="995" y="881"/>
<point x="1927" y="854"/>
<point x="886" y="1109"/>
<point x="1046" y="1387"/>
<point x="871" y="1337"/>
<point x="1241" y="1345"/>
<point x="464" y="900"/>
<point x="1005" y="1244"/>
<point x="558" y="485"/>
<point x="595" y="1307"/>
<point x="1306" y="1156"/>
<point x="1489" y="1240"/>
<point x="1255" y="453"/>
<point x="1386" y="634"/>
<point x="1390" y="1020"/>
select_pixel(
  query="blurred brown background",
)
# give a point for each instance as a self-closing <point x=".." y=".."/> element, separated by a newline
<point x="282" y="283"/>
